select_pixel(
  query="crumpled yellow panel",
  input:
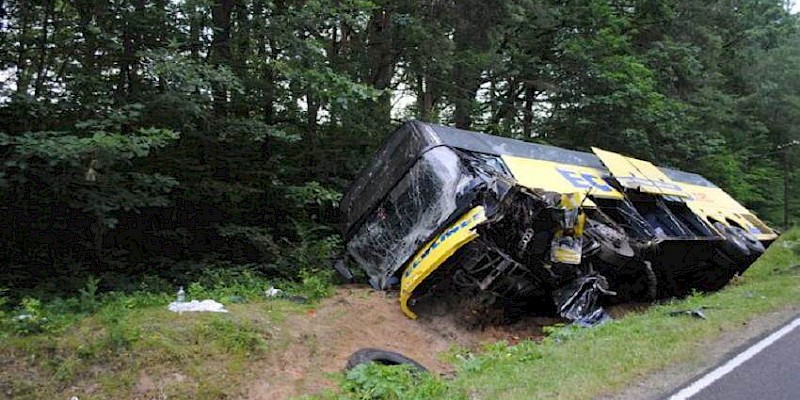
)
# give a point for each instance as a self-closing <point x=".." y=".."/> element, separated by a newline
<point x="638" y="174"/>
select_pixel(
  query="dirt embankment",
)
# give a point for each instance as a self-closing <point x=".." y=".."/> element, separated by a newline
<point x="311" y="346"/>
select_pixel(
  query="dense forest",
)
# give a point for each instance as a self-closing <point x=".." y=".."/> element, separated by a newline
<point x="161" y="138"/>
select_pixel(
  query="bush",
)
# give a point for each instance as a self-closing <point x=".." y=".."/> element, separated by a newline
<point x="375" y="381"/>
<point x="316" y="285"/>
<point x="31" y="319"/>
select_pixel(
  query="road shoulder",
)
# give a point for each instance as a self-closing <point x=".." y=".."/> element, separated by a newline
<point x="727" y="344"/>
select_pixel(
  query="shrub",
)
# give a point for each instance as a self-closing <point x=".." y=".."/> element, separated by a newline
<point x="375" y="381"/>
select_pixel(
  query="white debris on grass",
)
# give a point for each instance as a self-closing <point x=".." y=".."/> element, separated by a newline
<point x="196" y="306"/>
<point x="272" y="292"/>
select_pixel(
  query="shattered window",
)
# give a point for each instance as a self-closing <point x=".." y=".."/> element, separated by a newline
<point x="486" y="163"/>
<point x="414" y="209"/>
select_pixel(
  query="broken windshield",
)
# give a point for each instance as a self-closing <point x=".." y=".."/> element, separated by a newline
<point x="412" y="212"/>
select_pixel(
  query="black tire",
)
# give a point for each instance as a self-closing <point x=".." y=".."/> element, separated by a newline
<point x="615" y="248"/>
<point x="756" y="248"/>
<point x="636" y="282"/>
<point x="718" y="273"/>
<point x="652" y="281"/>
<point x="383" y="357"/>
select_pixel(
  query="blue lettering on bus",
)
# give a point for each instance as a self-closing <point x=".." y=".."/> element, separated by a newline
<point x="635" y="180"/>
<point x="597" y="185"/>
<point x="574" y="179"/>
<point x="584" y="180"/>
<point x="441" y="239"/>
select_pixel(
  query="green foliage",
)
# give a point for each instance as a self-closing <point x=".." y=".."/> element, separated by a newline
<point x="30" y="318"/>
<point x="499" y="352"/>
<point x="88" y="297"/>
<point x="315" y="285"/>
<point x="120" y="334"/>
<point x="256" y="130"/>
<point x="91" y="174"/>
<point x="228" y="284"/>
<point x="233" y="337"/>
<point x="181" y="73"/>
<point x="197" y="132"/>
<point x="313" y="193"/>
<point x="375" y="381"/>
<point x="63" y="150"/>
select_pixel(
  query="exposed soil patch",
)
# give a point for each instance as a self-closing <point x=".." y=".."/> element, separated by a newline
<point x="319" y="342"/>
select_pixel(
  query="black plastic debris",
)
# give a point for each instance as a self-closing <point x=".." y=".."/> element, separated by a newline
<point x="598" y="317"/>
<point x="578" y="301"/>
<point x="694" y="312"/>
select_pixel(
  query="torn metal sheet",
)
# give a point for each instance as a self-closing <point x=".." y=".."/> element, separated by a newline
<point x="639" y="174"/>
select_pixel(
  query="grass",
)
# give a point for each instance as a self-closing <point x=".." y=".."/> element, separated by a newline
<point x="575" y="363"/>
<point x="109" y="346"/>
<point x="190" y="356"/>
<point x="113" y="345"/>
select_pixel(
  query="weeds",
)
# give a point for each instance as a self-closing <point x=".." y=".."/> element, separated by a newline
<point x="227" y="285"/>
<point x="240" y="338"/>
<point x="574" y="363"/>
<point x="88" y="295"/>
<point x="109" y="338"/>
<point x="315" y="285"/>
<point x="31" y="319"/>
<point x="375" y="381"/>
<point x="494" y="353"/>
<point x="3" y="318"/>
<point x="120" y="335"/>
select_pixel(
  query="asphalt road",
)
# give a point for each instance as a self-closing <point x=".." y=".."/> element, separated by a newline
<point x="771" y="373"/>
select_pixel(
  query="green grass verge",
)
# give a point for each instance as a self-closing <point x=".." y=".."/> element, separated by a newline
<point x="575" y="363"/>
<point x="116" y="346"/>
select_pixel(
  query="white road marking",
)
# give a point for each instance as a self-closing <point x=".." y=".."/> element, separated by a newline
<point x="729" y="366"/>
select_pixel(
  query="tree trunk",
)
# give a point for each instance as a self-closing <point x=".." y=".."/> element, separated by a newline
<point x="471" y="41"/>
<point x="41" y="68"/>
<point x="313" y="114"/>
<point x="466" y="75"/>
<point x="195" y="24"/>
<point x="221" y="12"/>
<point x="785" y="189"/>
<point x="23" y="74"/>
<point x="381" y="59"/>
<point x="428" y="95"/>
<point x="527" y="117"/>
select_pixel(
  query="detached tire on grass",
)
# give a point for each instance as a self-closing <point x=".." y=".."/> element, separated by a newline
<point x="383" y="357"/>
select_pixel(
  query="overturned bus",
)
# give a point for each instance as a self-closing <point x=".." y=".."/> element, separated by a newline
<point x="504" y="224"/>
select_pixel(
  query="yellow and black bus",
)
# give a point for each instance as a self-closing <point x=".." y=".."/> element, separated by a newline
<point x="442" y="211"/>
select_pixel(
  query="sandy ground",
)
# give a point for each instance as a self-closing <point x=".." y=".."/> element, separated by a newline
<point x="320" y="341"/>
